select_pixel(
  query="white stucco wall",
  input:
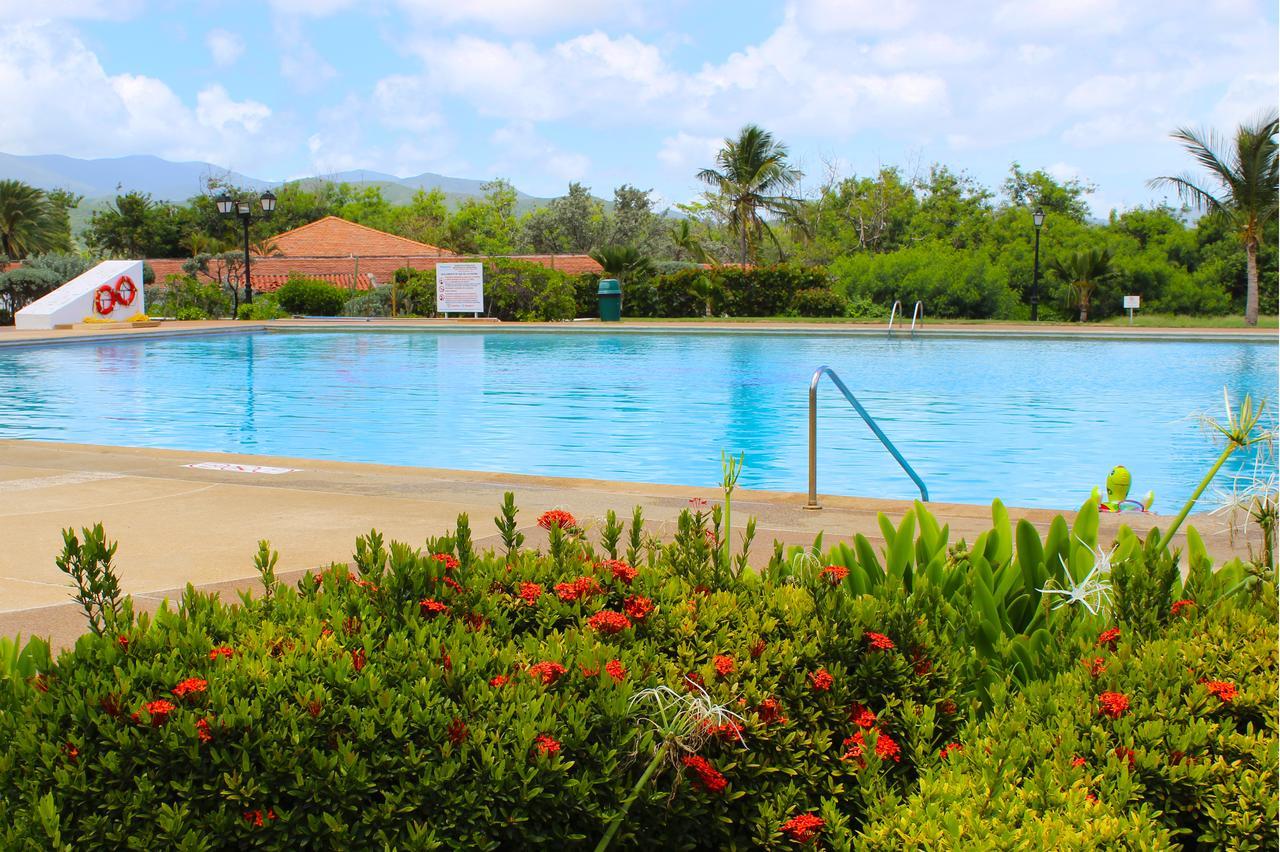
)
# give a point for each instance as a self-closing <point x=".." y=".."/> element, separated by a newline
<point x="79" y="298"/>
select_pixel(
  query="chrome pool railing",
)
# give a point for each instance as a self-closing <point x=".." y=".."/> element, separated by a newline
<point x="917" y="311"/>
<point x="893" y="312"/>
<point x="866" y="417"/>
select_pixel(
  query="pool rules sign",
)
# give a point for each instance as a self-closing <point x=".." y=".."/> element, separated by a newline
<point x="460" y="288"/>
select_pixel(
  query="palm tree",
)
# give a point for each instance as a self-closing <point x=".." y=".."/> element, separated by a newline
<point x="1082" y="271"/>
<point x="28" y="224"/>
<point x="1244" y="183"/>
<point x="622" y="262"/>
<point x="752" y="176"/>
<point x="687" y="242"/>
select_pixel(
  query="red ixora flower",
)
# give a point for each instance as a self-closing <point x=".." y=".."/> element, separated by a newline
<point x="724" y="665"/>
<point x="949" y="749"/>
<point x="1179" y="606"/>
<point x="693" y="679"/>
<point x="1078" y="761"/>
<point x="803" y="827"/>
<point x="547" y="672"/>
<point x="1125" y="754"/>
<point x="730" y="731"/>
<point x="158" y="711"/>
<point x="615" y="670"/>
<point x="430" y="608"/>
<point x="578" y="589"/>
<point x="453" y="584"/>
<point x="255" y="817"/>
<point x="757" y="649"/>
<point x="457" y="731"/>
<point x="878" y="641"/>
<point x="530" y="592"/>
<point x="222" y="652"/>
<point x="886" y="748"/>
<point x="1113" y="704"/>
<point x="72" y="753"/>
<point x="620" y="570"/>
<point x="711" y="779"/>
<point x="190" y="686"/>
<point x="861" y="716"/>
<point x="1097" y="667"/>
<point x="449" y="561"/>
<point x="545" y="745"/>
<point x="1109" y="638"/>
<point x="123" y="642"/>
<point x="821" y="680"/>
<point x="358" y="659"/>
<point x="608" y="622"/>
<point x="499" y="680"/>
<point x="559" y="518"/>
<point x="203" y="732"/>
<point x="638" y="607"/>
<point x="475" y="621"/>
<point x="834" y="574"/>
<point x="770" y="711"/>
<point x="1224" y="689"/>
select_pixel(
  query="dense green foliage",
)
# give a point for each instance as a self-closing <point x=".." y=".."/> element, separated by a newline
<point x="311" y="297"/>
<point x="446" y="697"/>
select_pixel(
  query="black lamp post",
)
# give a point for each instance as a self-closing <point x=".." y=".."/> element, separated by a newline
<point x="227" y="206"/>
<point x="1038" y="218"/>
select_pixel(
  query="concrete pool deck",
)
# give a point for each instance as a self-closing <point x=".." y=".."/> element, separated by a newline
<point x="178" y="525"/>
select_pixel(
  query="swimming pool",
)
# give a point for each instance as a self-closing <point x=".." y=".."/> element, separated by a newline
<point x="1037" y="422"/>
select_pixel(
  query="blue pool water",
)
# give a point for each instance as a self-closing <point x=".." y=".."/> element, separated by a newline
<point x="1037" y="422"/>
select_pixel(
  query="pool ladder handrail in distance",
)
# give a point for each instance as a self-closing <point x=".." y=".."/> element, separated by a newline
<point x="893" y="312"/>
<point x="866" y="417"/>
<point x="917" y="311"/>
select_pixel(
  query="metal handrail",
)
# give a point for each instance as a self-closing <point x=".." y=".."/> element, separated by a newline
<point x="897" y="306"/>
<point x="918" y="310"/>
<point x="866" y="417"/>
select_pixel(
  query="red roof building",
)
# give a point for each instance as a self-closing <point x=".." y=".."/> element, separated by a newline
<point x="351" y="255"/>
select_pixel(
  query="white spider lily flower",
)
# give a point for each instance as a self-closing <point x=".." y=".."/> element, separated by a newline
<point x="687" y="717"/>
<point x="1094" y="591"/>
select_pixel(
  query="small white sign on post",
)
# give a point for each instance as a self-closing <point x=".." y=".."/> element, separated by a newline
<point x="460" y="288"/>
<point x="1131" y="303"/>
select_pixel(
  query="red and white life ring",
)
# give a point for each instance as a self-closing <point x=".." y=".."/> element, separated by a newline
<point x="125" y="291"/>
<point x="104" y="299"/>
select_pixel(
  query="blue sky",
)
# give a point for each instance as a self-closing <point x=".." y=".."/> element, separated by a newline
<point x="610" y="91"/>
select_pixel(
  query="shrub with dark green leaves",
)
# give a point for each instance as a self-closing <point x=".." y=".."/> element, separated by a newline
<point x="186" y="297"/>
<point x="519" y="290"/>
<point x="310" y="297"/>
<point x="819" y="302"/>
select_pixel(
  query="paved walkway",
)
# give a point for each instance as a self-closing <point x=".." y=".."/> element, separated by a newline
<point x="178" y="524"/>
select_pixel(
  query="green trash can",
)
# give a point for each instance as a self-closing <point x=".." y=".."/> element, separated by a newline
<point x="610" y="294"/>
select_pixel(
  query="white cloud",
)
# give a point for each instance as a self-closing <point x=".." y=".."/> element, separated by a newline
<point x="14" y="11"/>
<point x="927" y="50"/>
<point x="520" y="145"/>
<point x="225" y="47"/>
<point x="216" y="109"/>
<point x="522" y="16"/>
<point x="856" y="15"/>
<point x="686" y="152"/>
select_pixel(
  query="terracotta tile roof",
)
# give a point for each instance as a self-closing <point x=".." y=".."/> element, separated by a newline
<point x="334" y="237"/>
<point x="271" y="281"/>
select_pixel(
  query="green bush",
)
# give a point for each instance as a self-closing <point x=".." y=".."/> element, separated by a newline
<point x="764" y="291"/>
<point x="415" y="292"/>
<point x="518" y="290"/>
<point x="819" y="302"/>
<point x="310" y="297"/>
<point x="188" y="298"/>
<point x="264" y="307"/>
<point x="950" y="282"/>
<point x="370" y="303"/>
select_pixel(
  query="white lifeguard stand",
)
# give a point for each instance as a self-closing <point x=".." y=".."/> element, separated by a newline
<point x="111" y="291"/>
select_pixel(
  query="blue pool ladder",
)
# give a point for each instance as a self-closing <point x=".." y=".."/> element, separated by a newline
<point x="866" y="417"/>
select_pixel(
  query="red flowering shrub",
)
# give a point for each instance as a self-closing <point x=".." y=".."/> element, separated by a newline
<point x="637" y="607"/>
<point x="615" y="670"/>
<point x="123" y="642"/>
<point x="1179" y="606"/>
<point x="255" y="817"/>
<point x="620" y="570"/>
<point x="546" y="746"/>
<point x="1113" y="704"/>
<point x="1109" y="638"/>
<point x="582" y="587"/>
<point x="609" y="622"/>
<point x="949" y="749"/>
<point x="878" y="641"/>
<point x="803" y="828"/>
<point x="724" y="665"/>
<point x="770" y="712"/>
<point x="358" y="659"/>
<point x="430" y="608"/>
<point x="705" y="774"/>
<point x="1225" y="690"/>
<point x="1097" y="667"/>
<point x="203" y="731"/>
<point x="499" y="680"/>
<point x="223" y="652"/>
<point x="158" y="711"/>
<point x="757" y="649"/>
<point x="821" y="680"/>
<point x="861" y="716"/>
<point x="457" y="731"/>
<point x="449" y="561"/>
<point x="547" y="672"/>
<point x="834" y="574"/>
<point x="558" y="518"/>
<point x="530" y="592"/>
<point x="190" y="686"/>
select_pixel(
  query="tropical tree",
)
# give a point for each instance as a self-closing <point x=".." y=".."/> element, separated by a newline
<point x="1082" y="271"/>
<point x="28" y="220"/>
<point x="753" y="175"/>
<point x="622" y="262"/>
<point x="1242" y="189"/>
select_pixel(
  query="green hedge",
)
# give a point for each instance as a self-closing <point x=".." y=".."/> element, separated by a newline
<point x="441" y="697"/>
<point x="311" y="297"/>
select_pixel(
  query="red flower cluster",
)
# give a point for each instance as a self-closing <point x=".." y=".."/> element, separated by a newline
<point x="203" y="732"/>
<point x="358" y="659"/>
<point x="693" y="679"/>
<point x="545" y="745"/>
<point x="581" y="588"/>
<point x="223" y="652"/>
<point x="254" y="817"/>
<point x="615" y="670"/>
<point x="921" y="665"/>
<point x="1225" y="690"/>
<point x="707" y="775"/>
<point x="621" y="570"/>
<point x="499" y="680"/>
<point x="949" y="749"/>
<point x="724" y="665"/>
<point x="72" y="753"/>
<point x="770" y="711"/>
<point x="530" y="592"/>
<point x="730" y="731"/>
<point x="1097" y="667"/>
<point x="608" y="622"/>
<point x="1078" y="761"/>
<point x="559" y="518"/>
<point x="1109" y="638"/>
<point x="878" y="641"/>
<point x="1179" y="606"/>
<point x="1113" y="704"/>
<point x="803" y="827"/>
<point x="834" y="574"/>
<point x="190" y="686"/>
<point x="123" y="642"/>
<point x="453" y="584"/>
<point x="547" y="672"/>
<point x="158" y="711"/>
<point x="449" y="560"/>
<point x="457" y="731"/>
<point x="638" y="607"/>
<point x="1125" y="754"/>
<point x="822" y="680"/>
<point x="475" y="621"/>
<point x="430" y="608"/>
<point x="886" y="748"/>
<point x="861" y="716"/>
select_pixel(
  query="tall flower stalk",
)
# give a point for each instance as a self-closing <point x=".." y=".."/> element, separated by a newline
<point x="732" y="470"/>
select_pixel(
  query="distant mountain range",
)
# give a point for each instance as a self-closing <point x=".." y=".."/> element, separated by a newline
<point x="169" y="181"/>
